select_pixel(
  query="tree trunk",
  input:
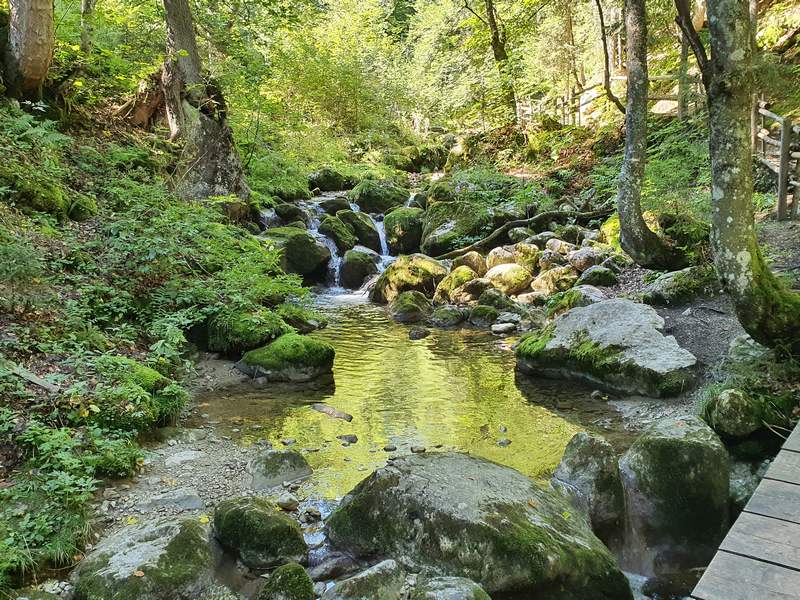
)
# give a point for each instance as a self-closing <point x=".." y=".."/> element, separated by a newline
<point x="31" y="39"/>
<point x="683" y="81"/>
<point x="87" y="25"/>
<point x="636" y="238"/>
<point x="196" y="114"/>
<point x="498" y="42"/>
<point x="607" y="65"/>
<point x="767" y="310"/>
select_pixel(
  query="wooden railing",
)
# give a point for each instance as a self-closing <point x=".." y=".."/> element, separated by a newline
<point x="779" y="154"/>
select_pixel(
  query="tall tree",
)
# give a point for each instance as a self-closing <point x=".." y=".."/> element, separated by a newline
<point x="607" y="60"/>
<point x="87" y="25"/>
<point x="31" y="40"/>
<point x="196" y="114"/>
<point x="767" y="310"/>
<point x="636" y="238"/>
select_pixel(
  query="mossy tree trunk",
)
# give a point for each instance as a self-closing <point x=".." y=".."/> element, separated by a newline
<point x="636" y="238"/>
<point x="768" y="311"/>
<point x="31" y="40"/>
<point x="196" y="114"/>
<point x="498" y="41"/>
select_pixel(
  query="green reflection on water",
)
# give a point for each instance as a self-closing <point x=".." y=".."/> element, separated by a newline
<point x="455" y="389"/>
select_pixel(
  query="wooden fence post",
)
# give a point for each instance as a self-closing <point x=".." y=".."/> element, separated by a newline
<point x="783" y="167"/>
<point x="754" y="123"/>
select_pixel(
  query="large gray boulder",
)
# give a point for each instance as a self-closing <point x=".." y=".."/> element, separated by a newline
<point x="617" y="344"/>
<point x="448" y="588"/>
<point x="462" y="516"/>
<point x="675" y="481"/>
<point x="384" y="581"/>
<point x="162" y="560"/>
<point x="272" y="468"/>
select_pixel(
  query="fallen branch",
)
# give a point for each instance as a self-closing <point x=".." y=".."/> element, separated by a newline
<point x="332" y="412"/>
<point x="23" y="373"/>
<point x="545" y="217"/>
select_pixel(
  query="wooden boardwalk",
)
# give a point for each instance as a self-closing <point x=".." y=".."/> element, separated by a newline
<point x="760" y="557"/>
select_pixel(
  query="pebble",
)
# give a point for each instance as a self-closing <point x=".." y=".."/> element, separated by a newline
<point x="288" y="502"/>
<point x="598" y="395"/>
<point x="502" y="429"/>
<point x="289" y="441"/>
<point x="504" y="442"/>
<point x="418" y="333"/>
<point x="389" y="448"/>
<point x="349" y="438"/>
<point x="418" y="449"/>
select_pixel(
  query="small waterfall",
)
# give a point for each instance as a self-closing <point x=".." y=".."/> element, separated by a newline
<point x="411" y="199"/>
<point x="355" y="207"/>
<point x="268" y="218"/>
<point x="379" y="225"/>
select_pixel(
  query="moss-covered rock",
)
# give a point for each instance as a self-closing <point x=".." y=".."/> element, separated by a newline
<point x="82" y="207"/>
<point x="527" y="255"/>
<point x="497" y="299"/>
<point x="448" y="316"/>
<point x="471" y="291"/>
<point x="365" y="231"/>
<point x="378" y="196"/>
<point x="734" y="414"/>
<point x="510" y="279"/>
<point x="448" y="225"/>
<point x="31" y="593"/>
<point x="235" y="331"/>
<point x="404" y="230"/>
<point x="473" y="260"/>
<point x="273" y="468"/>
<point x="457" y="277"/>
<point x="549" y="260"/>
<point x="520" y="234"/>
<point x="342" y="234"/>
<point x="410" y="307"/>
<point x="580" y="295"/>
<point x="483" y="316"/>
<point x="258" y="533"/>
<point x="472" y="518"/>
<point x="597" y="275"/>
<point x="163" y="560"/>
<point x="447" y="588"/>
<point x="290" y="213"/>
<point x="681" y="287"/>
<point x="302" y="254"/>
<point x="292" y="357"/>
<point x="502" y="255"/>
<point x="383" y="581"/>
<point x="583" y="258"/>
<point x="356" y="267"/>
<point x="328" y="180"/>
<point x="415" y="272"/>
<point x="557" y="279"/>
<point x="288" y="582"/>
<point x="335" y="204"/>
<point x="33" y="192"/>
<point x="675" y="480"/>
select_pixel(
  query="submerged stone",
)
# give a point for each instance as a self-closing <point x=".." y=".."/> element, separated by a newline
<point x="410" y="307"/>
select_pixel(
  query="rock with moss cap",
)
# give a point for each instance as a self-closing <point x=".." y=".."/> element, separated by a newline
<point x="557" y="279"/>
<point x="469" y="517"/>
<point x="473" y="260"/>
<point x="734" y="414"/>
<point x="483" y="316"/>
<point x="527" y="255"/>
<point x="510" y="279"/>
<point x="365" y="231"/>
<point x="681" y="287"/>
<point x="456" y="278"/>
<point x="469" y="292"/>
<point x="260" y="535"/>
<point x="675" y="481"/>
<point x="334" y="204"/>
<point x="617" y="344"/>
<point x="301" y="252"/>
<point x="161" y="560"/>
<point x="236" y="331"/>
<point x="597" y="275"/>
<point x="328" y="180"/>
<point x="288" y="582"/>
<point x="580" y="295"/>
<point x="410" y="307"/>
<point x="448" y="316"/>
<point x="374" y="196"/>
<point x="273" y="468"/>
<point x="383" y="581"/>
<point x="447" y="588"/>
<point x="520" y="234"/>
<point x="342" y="234"/>
<point x="292" y="357"/>
<point x="358" y="265"/>
<point x="32" y="594"/>
<point x="415" y="272"/>
<point x="499" y="300"/>
<point x="404" y="230"/>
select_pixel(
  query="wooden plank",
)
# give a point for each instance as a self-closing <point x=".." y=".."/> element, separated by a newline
<point x="786" y="467"/>
<point x="783" y="172"/>
<point x="771" y="115"/>
<point x="776" y="499"/>
<point x="793" y="443"/>
<point x="732" y="577"/>
<point x="765" y="539"/>
<point x="769" y="140"/>
<point x="769" y="164"/>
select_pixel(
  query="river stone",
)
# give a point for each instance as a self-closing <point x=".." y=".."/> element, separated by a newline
<point x="448" y="588"/>
<point x="180" y="499"/>
<point x="540" y="239"/>
<point x="473" y="260"/>
<point x="584" y="258"/>
<point x="410" y="307"/>
<point x="483" y="316"/>
<point x="681" y="287"/>
<point x="580" y="295"/>
<point x="342" y="234"/>
<point x="32" y="594"/>
<point x="288" y="582"/>
<point x="597" y="275"/>
<point x="527" y="255"/>
<point x="617" y="344"/>
<point x="560" y="246"/>
<point x="589" y="474"/>
<point x="357" y="266"/>
<point x="501" y="255"/>
<point x="549" y="260"/>
<point x="503" y="328"/>
<point x="470" y="291"/>
<point x="744" y="479"/>
<point x="510" y="279"/>
<point x="384" y="581"/>
<point x="378" y="196"/>
<point x="675" y="481"/>
<point x="289" y="213"/>
<point x="557" y="279"/>
<point x="415" y="272"/>
<point x="403" y="230"/>
<point x="327" y="180"/>
<point x="499" y="300"/>
<point x="520" y="234"/>
<point x="456" y="278"/>
<point x="334" y="205"/>
<point x="302" y="253"/>
<point x="364" y="228"/>
<point x="465" y="516"/>
<point x="175" y="558"/>
<point x="271" y="468"/>
<point x="258" y="533"/>
<point x="734" y="414"/>
<point x="447" y="316"/>
<point x="292" y="357"/>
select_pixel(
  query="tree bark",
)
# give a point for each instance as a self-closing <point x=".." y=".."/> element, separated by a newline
<point x="87" y="25"/>
<point x="31" y="39"/>
<point x="606" y="65"/>
<point x="196" y="115"/>
<point x="767" y="310"/>
<point x="636" y="238"/>
<point x="683" y="82"/>
<point x="498" y="43"/>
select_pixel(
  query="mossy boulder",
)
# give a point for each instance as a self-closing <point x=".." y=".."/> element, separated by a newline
<point x="469" y="517"/>
<point x="414" y="272"/>
<point x="328" y="180"/>
<point x="580" y="295"/>
<point x="497" y="299"/>
<point x="236" y="331"/>
<point x="447" y="225"/>
<point x="342" y="234"/>
<point x="557" y="279"/>
<point x="31" y="191"/>
<point x="457" y="277"/>
<point x="527" y="255"/>
<point x="364" y="228"/>
<point x="404" y="230"/>
<point x="31" y="593"/>
<point x="292" y="357"/>
<point x="510" y="279"/>
<point x="288" y="582"/>
<point x="472" y="259"/>
<point x="260" y="535"/>
<point x="675" y="480"/>
<point x="597" y="275"/>
<point x="333" y="205"/>
<point x="356" y="267"/>
<point x="733" y="413"/>
<point x="289" y="213"/>
<point x="410" y="307"/>
<point x="583" y="258"/>
<point x="501" y="255"/>
<point x="83" y="207"/>
<point x="302" y="253"/>
<point x="448" y="316"/>
<point x="383" y="581"/>
<point x="681" y="287"/>
<point x="617" y="344"/>
<point x="378" y="196"/>
<point x="447" y="588"/>
<point x="161" y="560"/>
<point x="520" y="234"/>
<point x="273" y="468"/>
<point x="483" y="316"/>
<point x="549" y="260"/>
